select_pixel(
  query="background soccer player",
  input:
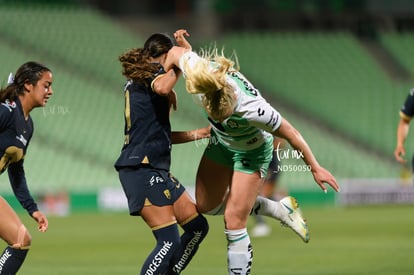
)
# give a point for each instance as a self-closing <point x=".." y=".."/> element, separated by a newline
<point x="270" y="189"/>
<point x="406" y="114"/>
<point x="30" y="88"/>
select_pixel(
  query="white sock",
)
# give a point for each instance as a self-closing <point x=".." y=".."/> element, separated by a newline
<point x="239" y="252"/>
<point x="266" y="207"/>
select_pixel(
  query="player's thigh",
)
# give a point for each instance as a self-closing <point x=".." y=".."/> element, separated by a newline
<point x="10" y="223"/>
<point x="158" y="216"/>
<point x="185" y="208"/>
<point x="243" y="194"/>
<point x="212" y="183"/>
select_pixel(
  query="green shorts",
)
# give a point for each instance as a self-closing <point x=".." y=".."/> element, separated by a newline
<point x="243" y="161"/>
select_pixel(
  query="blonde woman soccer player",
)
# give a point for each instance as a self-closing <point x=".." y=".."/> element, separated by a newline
<point x="235" y="162"/>
<point x="30" y="88"/>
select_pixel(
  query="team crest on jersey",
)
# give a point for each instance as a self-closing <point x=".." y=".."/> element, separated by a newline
<point x="9" y="104"/>
<point x="167" y="194"/>
<point x="232" y="124"/>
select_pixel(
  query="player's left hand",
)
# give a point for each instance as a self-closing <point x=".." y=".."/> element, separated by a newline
<point x="180" y="36"/>
<point x="204" y="132"/>
<point x="322" y="176"/>
<point x="41" y="220"/>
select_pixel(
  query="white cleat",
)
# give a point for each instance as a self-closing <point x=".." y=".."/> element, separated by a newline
<point x="261" y="230"/>
<point x="292" y="217"/>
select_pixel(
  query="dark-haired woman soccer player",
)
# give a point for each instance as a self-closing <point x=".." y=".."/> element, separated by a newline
<point x="406" y="115"/>
<point x="30" y="88"/>
<point x="144" y="162"/>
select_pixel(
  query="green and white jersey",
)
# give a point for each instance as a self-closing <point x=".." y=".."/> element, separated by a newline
<point x="253" y="119"/>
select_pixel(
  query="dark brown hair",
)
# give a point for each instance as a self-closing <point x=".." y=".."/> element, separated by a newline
<point x="136" y="62"/>
<point x="30" y="72"/>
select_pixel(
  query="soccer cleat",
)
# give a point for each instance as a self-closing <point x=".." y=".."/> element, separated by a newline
<point x="292" y="217"/>
<point x="261" y="230"/>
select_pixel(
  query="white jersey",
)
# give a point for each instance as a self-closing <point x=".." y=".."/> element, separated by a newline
<point x="253" y="119"/>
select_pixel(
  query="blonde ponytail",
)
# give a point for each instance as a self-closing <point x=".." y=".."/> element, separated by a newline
<point x="209" y="78"/>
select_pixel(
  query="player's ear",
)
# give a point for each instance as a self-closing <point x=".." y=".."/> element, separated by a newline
<point x="28" y="87"/>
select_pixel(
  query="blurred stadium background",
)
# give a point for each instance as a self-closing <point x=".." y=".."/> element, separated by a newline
<point x="338" y="70"/>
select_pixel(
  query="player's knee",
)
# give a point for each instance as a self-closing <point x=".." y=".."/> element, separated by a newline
<point x="198" y="225"/>
<point x="168" y="234"/>
<point x="218" y="210"/>
<point x="202" y="227"/>
<point x="24" y="239"/>
<point x="234" y="222"/>
<point x="236" y="217"/>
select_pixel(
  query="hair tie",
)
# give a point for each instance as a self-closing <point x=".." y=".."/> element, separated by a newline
<point x="10" y="79"/>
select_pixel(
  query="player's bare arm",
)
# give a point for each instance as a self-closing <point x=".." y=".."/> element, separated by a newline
<point x="187" y="136"/>
<point x="164" y="83"/>
<point x="320" y="174"/>
<point x="402" y="132"/>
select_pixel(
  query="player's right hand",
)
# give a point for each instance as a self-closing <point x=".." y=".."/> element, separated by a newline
<point x="399" y="154"/>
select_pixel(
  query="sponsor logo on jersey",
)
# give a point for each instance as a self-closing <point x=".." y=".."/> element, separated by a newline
<point x="22" y="139"/>
<point x="273" y="120"/>
<point x="247" y="85"/>
<point x="260" y="112"/>
<point x="155" y="179"/>
<point x="9" y="104"/>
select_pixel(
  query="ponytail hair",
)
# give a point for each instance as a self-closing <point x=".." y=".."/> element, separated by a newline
<point x="209" y="78"/>
<point x="136" y="63"/>
<point x="30" y="72"/>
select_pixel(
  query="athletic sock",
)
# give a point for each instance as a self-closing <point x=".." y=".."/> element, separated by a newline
<point x="11" y="260"/>
<point x="259" y="219"/>
<point x="239" y="252"/>
<point x="194" y="233"/>
<point x="168" y="240"/>
<point x="266" y="207"/>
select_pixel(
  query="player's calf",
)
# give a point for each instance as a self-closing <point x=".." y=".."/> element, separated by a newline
<point x="195" y="230"/>
<point x="168" y="241"/>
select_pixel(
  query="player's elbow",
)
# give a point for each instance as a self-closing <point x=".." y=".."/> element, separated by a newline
<point x="162" y="89"/>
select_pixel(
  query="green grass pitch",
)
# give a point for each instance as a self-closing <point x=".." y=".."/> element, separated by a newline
<point x="355" y="240"/>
